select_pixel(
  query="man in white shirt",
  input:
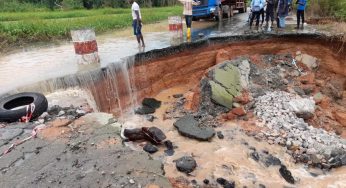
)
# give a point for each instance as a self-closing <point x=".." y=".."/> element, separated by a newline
<point x="188" y="14"/>
<point x="137" y="22"/>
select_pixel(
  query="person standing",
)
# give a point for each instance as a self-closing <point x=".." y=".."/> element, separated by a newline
<point x="137" y="22"/>
<point x="256" y="6"/>
<point x="300" y="12"/>
<point x="270" y="12"/>
<point x="282" y="12"/>
<point x="188" y="14"/>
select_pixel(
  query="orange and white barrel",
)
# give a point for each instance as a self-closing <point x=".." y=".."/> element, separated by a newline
<point x="85" y="45"/>
<point x="175" y="28"/>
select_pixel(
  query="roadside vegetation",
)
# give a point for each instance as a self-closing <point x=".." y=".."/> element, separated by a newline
<point x="26" y="27"/>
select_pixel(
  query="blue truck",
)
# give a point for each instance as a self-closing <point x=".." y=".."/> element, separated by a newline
<point x="211" y="9"/>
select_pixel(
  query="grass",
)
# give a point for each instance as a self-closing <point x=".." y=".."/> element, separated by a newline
<point x="26" y="27"/>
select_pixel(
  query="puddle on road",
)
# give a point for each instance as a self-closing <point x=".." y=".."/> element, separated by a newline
<point x="228" y="158"/>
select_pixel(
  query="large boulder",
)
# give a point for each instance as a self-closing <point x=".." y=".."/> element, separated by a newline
<point x="225" y="84"/>
<point x="189" y="127"/>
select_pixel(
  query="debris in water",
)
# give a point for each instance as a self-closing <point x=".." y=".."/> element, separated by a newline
<point x="186" y="164"/>
<point x="286" y="174"/>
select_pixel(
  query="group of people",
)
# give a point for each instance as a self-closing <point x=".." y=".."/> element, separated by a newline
<point x="276" y="10"/>
<point x="272" y="8"/>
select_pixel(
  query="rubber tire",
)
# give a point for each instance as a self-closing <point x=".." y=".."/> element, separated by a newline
<point x="21" y="99"/>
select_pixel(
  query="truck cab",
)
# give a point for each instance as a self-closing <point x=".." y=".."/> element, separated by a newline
<point x="211" y="9"/>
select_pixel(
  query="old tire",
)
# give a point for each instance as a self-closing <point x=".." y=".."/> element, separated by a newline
<point x="13" y="107"/>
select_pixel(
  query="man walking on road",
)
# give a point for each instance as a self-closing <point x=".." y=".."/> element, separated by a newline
<point x="300" y="12"/>
<point x="188" y="14"/>
<point x="256" y="6"/>
<point x="137" y="22"/>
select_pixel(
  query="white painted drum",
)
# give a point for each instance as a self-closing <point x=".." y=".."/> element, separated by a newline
<point x="85" y="45"/>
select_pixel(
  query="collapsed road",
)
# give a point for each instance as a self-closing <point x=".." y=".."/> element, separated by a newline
<point x="214" y="113"/>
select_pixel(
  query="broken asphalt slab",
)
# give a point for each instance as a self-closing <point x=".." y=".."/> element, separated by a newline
<point x="189" y="127"/>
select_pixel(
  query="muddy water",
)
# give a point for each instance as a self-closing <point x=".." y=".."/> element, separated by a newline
<point x="229" y="158"/>
<point x="38" y="63"/>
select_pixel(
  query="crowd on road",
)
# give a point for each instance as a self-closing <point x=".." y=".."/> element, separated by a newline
<point x="273" y="10"/>
<point x="276" y="10"/>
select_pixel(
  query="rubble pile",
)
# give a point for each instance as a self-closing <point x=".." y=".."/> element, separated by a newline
<point x="278" y="111"/>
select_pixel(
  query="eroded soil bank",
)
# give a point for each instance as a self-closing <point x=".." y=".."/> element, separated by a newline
<point x="78" y="147"/>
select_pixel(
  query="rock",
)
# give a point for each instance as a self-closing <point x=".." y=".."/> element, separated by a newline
<point x="220" y="135"/>
<point x="239" y="111"/>
<point x="61" y="113"/>
<point x="150" y="148"/>
<point x="206" y="181"/>
<point x="150" y="118"/>
<point x="151" y="102"/>
<point x="309" y="61"/>
<point x="186" y="164"/>
<point x="154" y="134"/>
<point x="170" y="149"/>
<point x="132" y="181"/>
<point x="254" y="155"/>
<point x="305" y="115"/>
<point x="144" y="110"/>
<point x="72" y="112"/>
<point x="318" y="97"/>
<point x="178" y="95"/>
<point x="230" y="116"/>
<point x="225" y="183"/>
<point x="80" y="112"/>
<point x="134" y="134"/>
<point x="236" y="105"/>
<point x="299" y="91"/>
<point x="272" y="161"/>
<point x="188" y="126"/>
<point x="225" y="84"/>
<point x="54" y="110"/>
<point x="300" y="106"/>
<point x="340" y="117"/>
<point x="286" y="174"/>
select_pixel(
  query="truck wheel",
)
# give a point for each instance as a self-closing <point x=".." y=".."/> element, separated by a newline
<point x="195" y="19"/>
<point x="13" y="107"/>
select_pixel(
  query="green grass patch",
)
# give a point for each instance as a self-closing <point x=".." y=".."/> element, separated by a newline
<point x="25" y="27"/>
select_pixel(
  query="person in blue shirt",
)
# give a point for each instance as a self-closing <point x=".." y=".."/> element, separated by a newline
<point x="300" y="12"/>
<point x="256" y="6"/>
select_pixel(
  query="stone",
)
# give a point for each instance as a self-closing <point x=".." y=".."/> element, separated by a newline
<point x="206" y="181"/>
<point x="220" y="135"/>
<point x="286" y="174"/>
<point x="318" y="97"/>
<point x="189" y="127"/>
<point x="61" y="113"/>
<point x="191" y="101"/>
<point x="151" y="102"/>
<point x="305" y="115"/>
<point x="54" y="110"/>
<point x="255" y="156"/>
<point x="340" y="117"/>
<point x="150" y="148"/>
<point x="302" y="105"/>
<point x="144" y="110"/>
<point x="154" y="134"/>
<point x="239" y="111"/>
<point x="309" y="61"/>
<point x="150" y="118"/>
<point x="186" y="164"/>
<point x="230" y="116"/>
<point x="272" y="161"/>
<point x="299" y="91"/>
<point x="170" y="149"/>
<point x="236" y="105"/>
<point x="225" y="183"/>
<point x="225" y="84"/>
